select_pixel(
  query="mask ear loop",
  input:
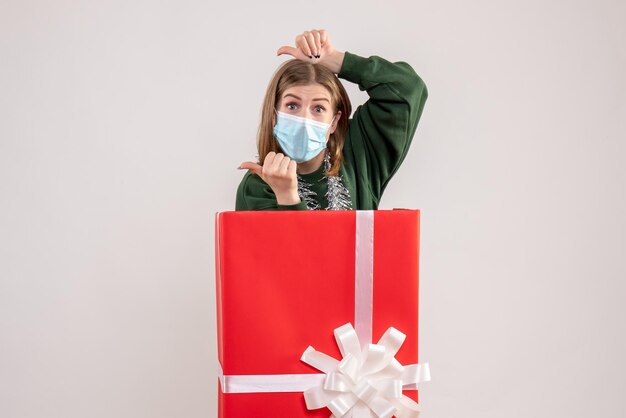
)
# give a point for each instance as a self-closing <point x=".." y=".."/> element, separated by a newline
<point x="331" y="122"/>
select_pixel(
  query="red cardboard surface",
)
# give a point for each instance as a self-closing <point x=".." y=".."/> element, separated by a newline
<point x="285" y="280"/>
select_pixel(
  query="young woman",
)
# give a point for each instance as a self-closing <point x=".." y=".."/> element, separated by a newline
<point x="311" y="156"/>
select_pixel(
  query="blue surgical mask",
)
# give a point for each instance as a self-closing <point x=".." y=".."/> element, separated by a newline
<point x="300" y="138"/>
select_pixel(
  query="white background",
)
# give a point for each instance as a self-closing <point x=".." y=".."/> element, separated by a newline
<point x="121" y="127"/>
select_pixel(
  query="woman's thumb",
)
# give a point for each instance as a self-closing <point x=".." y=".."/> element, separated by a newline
<point x="288" y="50"/>
<point x="254" y="167"/>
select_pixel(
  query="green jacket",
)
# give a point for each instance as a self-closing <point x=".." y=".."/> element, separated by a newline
<point x="378" y="138"/>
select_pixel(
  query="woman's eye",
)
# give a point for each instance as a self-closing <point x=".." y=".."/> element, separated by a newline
<point x="291" y="106"/>
<point x="319" y="109"/>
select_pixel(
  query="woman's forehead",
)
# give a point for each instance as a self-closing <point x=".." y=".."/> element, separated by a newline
<point x="307" y="92"/>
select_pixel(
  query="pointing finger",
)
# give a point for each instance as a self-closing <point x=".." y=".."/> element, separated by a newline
<point x="254" y="167"/>
<point x="288" y="50"/>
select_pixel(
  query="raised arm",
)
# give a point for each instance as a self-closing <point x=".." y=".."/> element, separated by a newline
<point x="382" y="129"/>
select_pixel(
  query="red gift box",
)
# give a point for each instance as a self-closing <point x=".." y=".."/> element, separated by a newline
<point x="286" y="280"/>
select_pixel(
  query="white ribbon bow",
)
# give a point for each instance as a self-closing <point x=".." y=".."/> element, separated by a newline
<point x="365" y="383"/>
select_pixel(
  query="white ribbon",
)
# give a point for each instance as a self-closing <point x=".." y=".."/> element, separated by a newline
<point x="367" y="382"/>
<point x="364" y="275"/>
<point x="266" y="383"/>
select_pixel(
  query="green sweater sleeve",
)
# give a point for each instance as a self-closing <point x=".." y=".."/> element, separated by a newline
<point x="254" y="194"/>
<point x="381" y="130"/>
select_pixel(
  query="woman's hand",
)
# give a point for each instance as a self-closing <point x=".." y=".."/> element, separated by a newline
<point x="315" y="46"/>
<point x="279" y="172"/>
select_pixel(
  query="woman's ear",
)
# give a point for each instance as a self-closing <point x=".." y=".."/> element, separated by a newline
<point x="335" y="121"/>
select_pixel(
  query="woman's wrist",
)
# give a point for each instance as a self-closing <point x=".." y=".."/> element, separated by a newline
<point x="288" y="199"/>
<point x="334" y="61"/>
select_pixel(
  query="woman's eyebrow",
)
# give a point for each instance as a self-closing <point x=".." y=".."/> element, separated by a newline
<point x="298" y="98"/>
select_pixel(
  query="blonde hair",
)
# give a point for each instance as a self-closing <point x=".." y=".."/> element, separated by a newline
<point x="297" y="73"/>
